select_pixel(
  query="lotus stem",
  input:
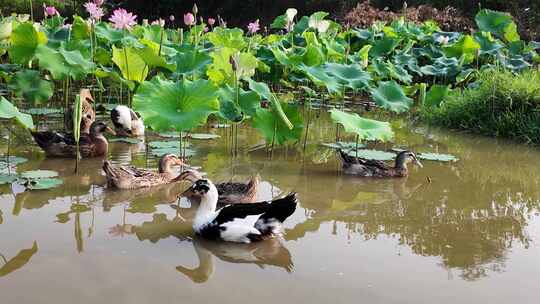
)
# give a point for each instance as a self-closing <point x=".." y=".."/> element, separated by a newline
<point x="31" y="11"/>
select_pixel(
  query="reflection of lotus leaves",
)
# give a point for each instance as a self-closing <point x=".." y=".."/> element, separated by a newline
<point x="19" y="260"/>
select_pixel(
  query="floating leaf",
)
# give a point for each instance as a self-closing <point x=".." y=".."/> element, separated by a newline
<point x="373" y="154"/>
<point x="203" y="136"/>
<point x="172" y="150"/>
<point x="43" y="183"/>
<point x="166" y="144"/>
<point x="13" y="160"/>
<point x="42" y="111"/>
<point x="125" y="140"/>
<point x="366" y="129"/>
<point x="182" y="105"/>
<point x="437" y="157"/>
<point x="7" y="178"/>
<point x="390" y="95"/>
<point x="344" y="145"/>
<point x="39" y="174"/>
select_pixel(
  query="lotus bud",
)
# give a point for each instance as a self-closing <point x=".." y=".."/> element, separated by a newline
<point x="233" y="63"/>
<point x="195" y="9"/>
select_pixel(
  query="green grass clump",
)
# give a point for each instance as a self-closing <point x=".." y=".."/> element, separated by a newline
<point x="503" y="104"/>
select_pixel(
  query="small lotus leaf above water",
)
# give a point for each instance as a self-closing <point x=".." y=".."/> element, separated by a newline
<point x="36" y="174"/>
<point x="437" y="157"/>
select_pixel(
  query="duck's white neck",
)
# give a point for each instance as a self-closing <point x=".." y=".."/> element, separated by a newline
<point x="207" y="207"/>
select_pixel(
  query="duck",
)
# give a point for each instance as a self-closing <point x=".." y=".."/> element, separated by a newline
<point x="127" y="122"/>
<point x="129" y="177"/>
<point x="373" y="168"/>
<point x="239" y="223"/>
<point x="57" y="144"/>
<point x="228" y="192"/>
<point x="88" y="113"/>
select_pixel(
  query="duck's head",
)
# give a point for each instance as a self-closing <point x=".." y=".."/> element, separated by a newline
<point x="200" y="188"/>
<point x="406" y="157"/>
<point x="168" y="160"/>
<point x="97" y="128"/>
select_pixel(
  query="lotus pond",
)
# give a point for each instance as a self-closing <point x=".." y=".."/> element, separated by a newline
<point x="470" y="234"/>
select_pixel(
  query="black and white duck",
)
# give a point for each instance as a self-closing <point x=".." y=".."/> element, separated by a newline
<point x="241" y="223"/>
<point x="127" y="122"/>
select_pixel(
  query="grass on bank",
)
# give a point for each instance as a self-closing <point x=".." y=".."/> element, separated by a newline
<point x="502" y="104"/>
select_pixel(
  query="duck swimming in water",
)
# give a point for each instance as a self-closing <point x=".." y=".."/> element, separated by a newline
<point x="374" y="168"/>
<point x="241" y="223"/>
<point x="127" y="122"/>
<point x="56" y="144"/>
<point x="129" y="177"/>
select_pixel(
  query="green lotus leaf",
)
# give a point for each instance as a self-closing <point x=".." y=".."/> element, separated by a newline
<point x="387" y="70"/>
<point x="372" y="154"/>
<point x="167" y="144"/>
<point x="39" y="174"/>
<point x="220" y="71"/>
<point x="437" y="157"/>
<point x="52" y="61"/>
<point x="42" y="111"/>
<point x="436" y="95"/>
<point x="227" y="38"/>
<point x="80" y="29"/>
<point x="12" y="160"/>
<point x="262" y="89"/>
<point x="498" y="23"/>
<point x="24" y="42"/>
<point x="9" y="111"/>
<point x="132" y="66"/>
<point x="366" y="129"/>
<point x="30" y="86"/>
<point x="248" y="103"/>
<point x="106" y="32"/>
<point x="43" y="183"/>
<point x="383" y="47"/>
<point x="170" y="150"/>
<point x="351" y="76"/>
<point x="203" y="136"/>
<point x="6" y="27"/>
<point x="465" y="47"/>
<point x="19" y="260"/>
<point x="344" y="145"/>
<point x="149" y="53"/>
<point x="272" y="127"/>
<point x="79" y="66"/>
<point x="192" y="61"/>
<point x="7" y="178"/>
<point x="488" y="45"/>
<point x="181" y="105"/>
<point x="389" y="95"/>
<point x="318" y="75"/>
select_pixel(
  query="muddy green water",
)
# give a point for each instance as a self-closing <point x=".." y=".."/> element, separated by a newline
<point x="470" y="236"/>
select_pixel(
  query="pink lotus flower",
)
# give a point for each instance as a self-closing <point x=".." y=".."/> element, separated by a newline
<point x="50" y="11"/>
<point x="254" y="27"/>
<point x="211" y="21"/>
<point x="121" y="19"/>
<point x="189" y="19"/>
<point x="99" y="2"/>
<point x="94" y="10"/>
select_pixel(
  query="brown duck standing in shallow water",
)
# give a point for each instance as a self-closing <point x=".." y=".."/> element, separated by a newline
<point x="88" y="113"/>
<point x="129" y="177"/>
<point x="229" y="192"/>
<point x="374" y="168"/>
<point x="57" y="144"/>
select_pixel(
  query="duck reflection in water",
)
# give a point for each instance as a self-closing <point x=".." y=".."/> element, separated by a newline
<point x="270" y="252"/>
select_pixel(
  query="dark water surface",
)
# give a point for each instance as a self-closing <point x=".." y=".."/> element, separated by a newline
<point x="470" y="236"/>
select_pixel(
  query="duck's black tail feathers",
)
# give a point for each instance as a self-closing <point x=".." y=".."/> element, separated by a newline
<point x="45" y="139"/>
<point x="346" y="159"/>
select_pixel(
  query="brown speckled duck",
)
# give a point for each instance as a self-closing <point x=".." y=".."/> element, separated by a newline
<point x="374" y="168"/>
<point x="229" y="192"/>
<point x="129" y="177"/>
<point x="56" y="144"/>
<point x="88" y="113"/>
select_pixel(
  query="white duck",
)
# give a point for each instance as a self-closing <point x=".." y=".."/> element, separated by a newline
<point x="127" y="122"/>
<point x="241" y="223"/>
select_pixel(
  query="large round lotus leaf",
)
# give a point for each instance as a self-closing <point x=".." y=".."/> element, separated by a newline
<point x="497" y="23"/>
<point x="7" y="178"/>
<point x="437" y="157"/>
<point x="52" y="61"/>
<point x="43" y="183"/>
<point x="372" y="154"/>
<point x="383" y="47"/>
<point x="389" y="95"/>
<point x="351" y="75"/>
<point x="230" y="109"/>
<point x="181" y="105"/>
<point x="24" y="41"/>
<point x="42" y="111"/>
<point x="28" y="84"/>
<point x="274" y="129"/>
<point x="318" y="75"/>
<point x="8" y="111"/>
<point x="130" y="63"/>
<point x="465" y="47"/>
<point x="366" y="129"/>
<point x="105" y="31"/>
<point x="227" y="38"/>
<point x="150" y="53"/>
<point x="436" y="94"/>
<point x="192" y="61"/>
<point x="39" y="174"/>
